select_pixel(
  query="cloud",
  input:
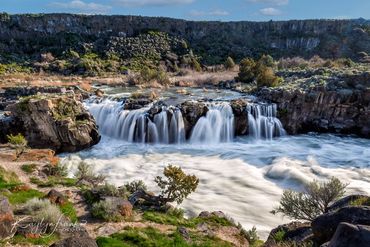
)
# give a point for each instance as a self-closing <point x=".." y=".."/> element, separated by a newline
<point x="136" y="3"/>
<point x="270" y="11"/>
<point x="83" y="7"/>
<point x="271" y="2"/>
<point x="197" y="13"/>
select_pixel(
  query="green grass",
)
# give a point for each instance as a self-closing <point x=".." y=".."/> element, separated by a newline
<point x="53" y="181"/>
<point x="29" y="168"/>
<point x="279" y="236"/>
<point x="68" y="210"/>
<point x="8" y="180"/>
<point x="171" y="218"/>
<point x="20" y="197"/>
<point x="43" y="240"/>
<point x="150" y="237"/>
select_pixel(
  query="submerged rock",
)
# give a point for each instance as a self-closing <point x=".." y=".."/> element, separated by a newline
<point x="58" y="122"/>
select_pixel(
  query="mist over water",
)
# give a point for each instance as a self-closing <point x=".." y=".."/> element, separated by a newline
<point x="244" y="178"/>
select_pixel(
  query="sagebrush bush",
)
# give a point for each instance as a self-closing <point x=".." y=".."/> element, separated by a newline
<point x="85" y="173"/>
<point x="247" y="72"/>
<point x="106" y="210"/>
<point x="57" y="170"/>
<point x="176" y="185"/>
<point x="267" y="78"/>
<point x="17" y="140"/>
<point x="42" y="210"/>
<point x="229" y="64"/>
<point x="135" y="185"/>
<point x="313" y="201"/>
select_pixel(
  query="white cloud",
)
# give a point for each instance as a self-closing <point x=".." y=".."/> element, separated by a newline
<point x="197" y="13"/>
<point x="270" y="11"/>
<point x="83" y="7"/>
<point x="135" y="3"/>
<point x="272" y="2"/>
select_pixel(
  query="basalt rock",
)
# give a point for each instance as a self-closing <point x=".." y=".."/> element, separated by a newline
<point x="58" y="122"/>
<point x="296" y="232"/>
<point x="322" y="109"/>
<point x="324" y="226"/>
<point x="348" y="235"/>
<point x="6" y="218"/>
<point x="191" y="112"/>
<point x="240" y="116"/>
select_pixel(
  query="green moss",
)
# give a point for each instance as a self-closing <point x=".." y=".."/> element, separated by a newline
<point x="150" y="237"/>
<point x="68" y="210"/>
<point x="363" y="201"/>
<point x="43" y="240"/>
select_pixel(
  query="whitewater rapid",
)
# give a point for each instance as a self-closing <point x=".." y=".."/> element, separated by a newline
<point x="244" y="178"/>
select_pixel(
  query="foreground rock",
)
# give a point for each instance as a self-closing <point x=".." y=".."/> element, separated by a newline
<point x="192" y="111"/>
<point x="296" y="232"/>
<point x="59" y="122"/>
<point x="324" y="226"/>
<point x="84" y="241"/>
<point x="348" y="235"/>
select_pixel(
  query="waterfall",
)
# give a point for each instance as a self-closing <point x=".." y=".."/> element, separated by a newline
<point x="135" y="125"/>
<point x="217" y="126"/>
<point x="262" y="121"/>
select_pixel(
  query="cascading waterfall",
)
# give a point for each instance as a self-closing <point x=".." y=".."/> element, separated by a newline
<point x="136" y="126"/>
<point x="262" y="121"/>
<point x="217" y="126"/>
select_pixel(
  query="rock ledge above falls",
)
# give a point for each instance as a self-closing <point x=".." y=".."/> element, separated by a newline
<point x="58" y="122"/>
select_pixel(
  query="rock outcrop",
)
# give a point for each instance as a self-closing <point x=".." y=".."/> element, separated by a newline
<point x="324" y="226"/>
<point x="58" y="122"/>
<point x="191" y="112"/>
<point x="348" y="235"/>
<point x="296" y="232"/>
<point x="322" y="109"/>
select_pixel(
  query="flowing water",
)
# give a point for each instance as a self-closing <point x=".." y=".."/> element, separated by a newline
<point x="242" y="176"/>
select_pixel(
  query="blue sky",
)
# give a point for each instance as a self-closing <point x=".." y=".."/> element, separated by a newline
<point x="225" y="10"/>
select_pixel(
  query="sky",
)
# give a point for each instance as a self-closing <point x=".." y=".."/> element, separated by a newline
<point x="225" y="10"/>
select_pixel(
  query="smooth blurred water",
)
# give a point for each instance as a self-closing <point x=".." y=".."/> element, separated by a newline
<point x="244" y="178"/>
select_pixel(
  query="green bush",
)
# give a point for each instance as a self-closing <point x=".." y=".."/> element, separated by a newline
<point x="267" y="78"/>
<point x="106" y="210"/>
<point x="29" y="168"/>
<point x="17" y="140"/>
<point x="279" y="236"/>
<point x="42" y="210"/>
<point x="57" y="170"/>
<point x="176" y="185"/>
<point x="86" y="174"/>
<point x="312" y="202"/>
<point x="247" y="70"/>
<point x="136" y="185"/>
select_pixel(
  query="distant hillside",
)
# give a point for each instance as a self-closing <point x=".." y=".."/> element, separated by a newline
<point x="27" y="36"/>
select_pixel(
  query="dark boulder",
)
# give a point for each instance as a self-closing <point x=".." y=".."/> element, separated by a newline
<point x="191" y="112"/>
<point x="58" y="122"/>
<point x="240" y="116"/>
<point x="84" y="241"/>
<point x="324" y="226"/>
<point x="297" y="232"/>
<point x="348" y="235"/>
<point x="56" y="197"/>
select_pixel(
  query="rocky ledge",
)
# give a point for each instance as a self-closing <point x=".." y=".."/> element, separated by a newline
<point x="340" y="105"/>
<point x="59" y="122"/>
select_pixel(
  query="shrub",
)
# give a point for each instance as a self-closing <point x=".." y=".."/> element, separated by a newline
<point x="43" y="210"/>
<point x="136" y="185"/>
<point x="267" y="78"/>
<point x="17" y="140"/>
<point x="58" y="170"/>
<point x="279" y="236"/>
<point x="176" y="185"/>
<point x="251" y="235"/>
<point x="29" y="168"/>
<point x="85" y="173"/>
<point x="106" y="210"/>
<point x="312" y="202"/>
<point x="229" y="64"/>
<point x="247" y="70"/>
<point x="267" y="61"/>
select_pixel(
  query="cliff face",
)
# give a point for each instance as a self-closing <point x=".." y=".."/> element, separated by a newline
<point x="28" y="34"/>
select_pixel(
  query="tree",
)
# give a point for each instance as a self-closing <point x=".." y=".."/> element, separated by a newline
<point x="313" y="201"/>
<point x="176" y="186"/>
<point x="229" y="64"/>
<point x="247" y="70"/>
